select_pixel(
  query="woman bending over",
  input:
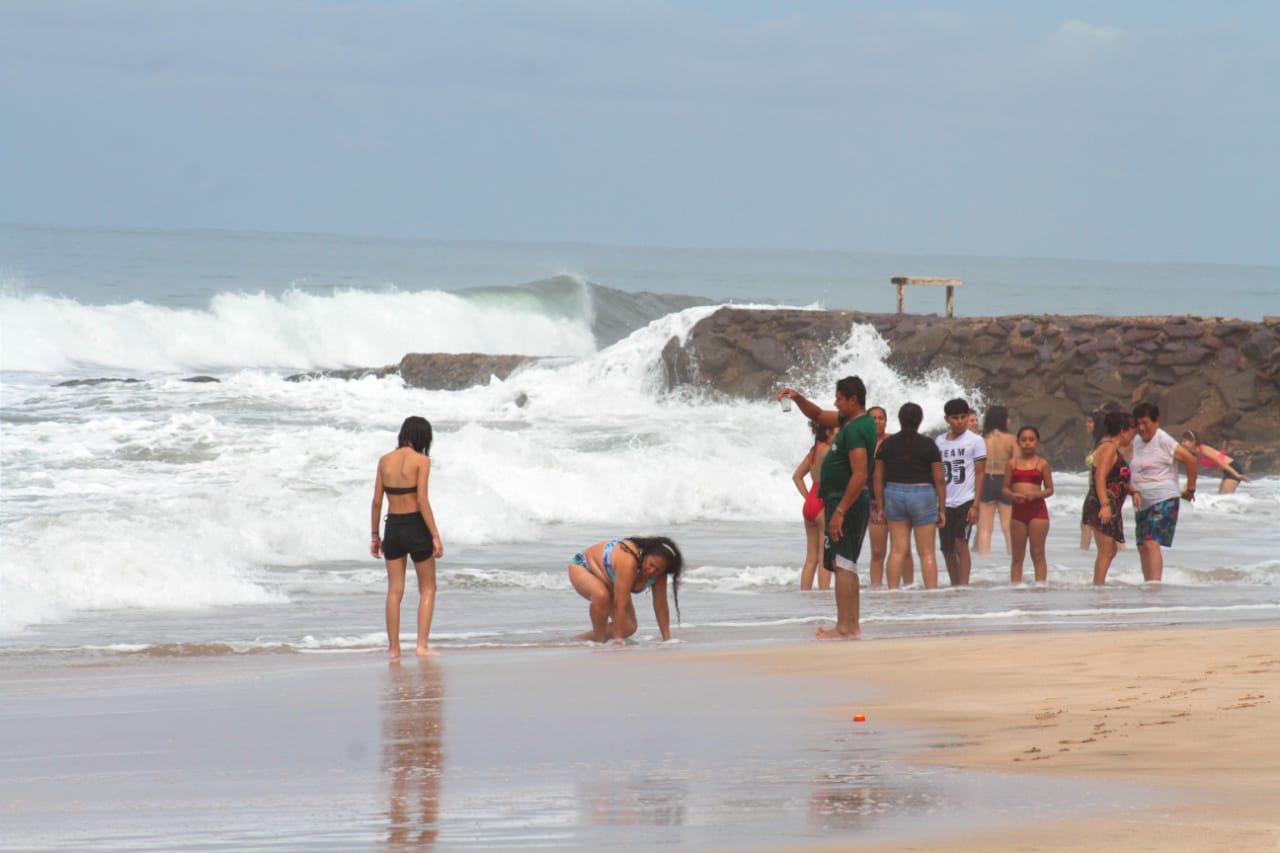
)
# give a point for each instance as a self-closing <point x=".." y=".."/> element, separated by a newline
<point x="609" y="573"/>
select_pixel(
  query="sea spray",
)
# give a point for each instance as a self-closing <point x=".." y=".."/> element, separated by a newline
<point x="254" y="492"/>
<point x="349" y="328"/>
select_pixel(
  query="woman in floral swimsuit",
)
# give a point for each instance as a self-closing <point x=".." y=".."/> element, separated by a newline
<point x="1108" y="487"/>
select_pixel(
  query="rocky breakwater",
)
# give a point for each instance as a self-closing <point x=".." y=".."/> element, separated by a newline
<point x="435" y="371"/>
<point x="1220" y="377"/>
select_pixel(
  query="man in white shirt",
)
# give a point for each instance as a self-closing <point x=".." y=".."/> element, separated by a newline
<point x="964" y="463"/>
<point x="1154" y="478"/>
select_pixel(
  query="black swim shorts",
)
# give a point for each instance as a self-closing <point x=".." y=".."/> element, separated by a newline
<point x="957" y="527"/>
<point x="993" y="490"/>
<point x="407" y="533"/>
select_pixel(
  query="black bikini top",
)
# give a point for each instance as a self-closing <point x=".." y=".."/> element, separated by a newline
<point x="399" y="490"/>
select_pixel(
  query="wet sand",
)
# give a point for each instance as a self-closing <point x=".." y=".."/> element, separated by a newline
<point x="1114" y="739"/>
<point x="1193" y="711"/>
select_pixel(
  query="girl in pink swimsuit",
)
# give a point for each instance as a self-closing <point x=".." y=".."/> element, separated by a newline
<point x="1211" y="457"/>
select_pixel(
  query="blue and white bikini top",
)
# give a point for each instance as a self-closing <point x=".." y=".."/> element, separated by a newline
<point x="608" y="566"/>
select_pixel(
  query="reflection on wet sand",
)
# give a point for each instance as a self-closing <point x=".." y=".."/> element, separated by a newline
<point x="413" y="752"/>
<point x="643" y="801"/>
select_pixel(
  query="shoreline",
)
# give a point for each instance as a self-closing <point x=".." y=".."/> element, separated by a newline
<point x="1193" y="711"/>
<point x="1103" y="739"/>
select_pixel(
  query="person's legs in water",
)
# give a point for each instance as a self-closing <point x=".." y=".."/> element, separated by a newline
<point x="1019" y="536"/>
<point x="955" y="543"/>
<point x="1106" y="553"/>
<point x="847" y="604"/>
<point x="1152" y="560"/>
<point x="952" y="564"/>
<point x="813" y="554"/>
<point x="879" y="535"/>
<point x="925" y="535"/>
<point x="986" y="522"/>
<point x="1006" y="518"/>
<point x="426" y="571"/>
<point x="963" y="562"/>
<point x="1228" y="485"/>
<point x="1154" y="529"/>
<point x="595" y="591"/>
<point x="842" y="555"/>
<point x="629" y="623"/>
<point x="1038" y="533"/>
<point x="900" y="534"/>
<point x="1086" y="537"/>
<point x="395" y="595"/>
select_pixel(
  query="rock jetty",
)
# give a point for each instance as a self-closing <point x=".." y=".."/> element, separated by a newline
<point x="435" y="371"/>
<point x="1218" y="376"/>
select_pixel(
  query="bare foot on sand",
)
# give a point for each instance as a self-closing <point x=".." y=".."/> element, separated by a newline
<point x="425" y="652"/>
<point x="837" y="634"/>
<point x="394" y="654"/>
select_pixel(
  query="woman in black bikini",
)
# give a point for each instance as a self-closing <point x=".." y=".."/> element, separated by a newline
<point x="410" y="531"/>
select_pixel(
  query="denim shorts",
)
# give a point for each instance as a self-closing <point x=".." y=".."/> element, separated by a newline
<point x="917" y="503"/>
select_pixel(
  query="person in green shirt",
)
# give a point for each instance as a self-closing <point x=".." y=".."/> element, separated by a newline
<point x="844" y="481"/>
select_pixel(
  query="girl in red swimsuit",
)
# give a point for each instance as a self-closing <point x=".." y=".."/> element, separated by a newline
<point x="1029" y="482"/>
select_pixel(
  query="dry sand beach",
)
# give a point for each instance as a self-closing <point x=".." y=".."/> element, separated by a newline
<point x="1193" y="711"/>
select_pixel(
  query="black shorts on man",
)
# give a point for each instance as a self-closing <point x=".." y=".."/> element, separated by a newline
<point x="957" y="527"/>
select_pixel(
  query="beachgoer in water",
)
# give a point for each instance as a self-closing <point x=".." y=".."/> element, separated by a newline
<point x="1027" y="484"/>
<point x="909" y="485"/>
<point x="1156" y="496"/>
<point x="879" y="530"/>
<point x="964" y="463"/>
<point x="847" y="499"/>
<point x="972" y="423"/>
<point x="1094" y="428"/>
<point x="608" y="573"/>
<point x="1211" y="457"/>
<point x="1000" y="449"/>
<point x="1108" y="488"/>
<point x="410" y="529"/>
<point x="811" y="511"/>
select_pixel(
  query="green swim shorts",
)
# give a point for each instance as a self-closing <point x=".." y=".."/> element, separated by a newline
<point x="843" y="552"/>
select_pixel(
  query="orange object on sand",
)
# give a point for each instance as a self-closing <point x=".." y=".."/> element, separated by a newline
<point x="859" y="718"/>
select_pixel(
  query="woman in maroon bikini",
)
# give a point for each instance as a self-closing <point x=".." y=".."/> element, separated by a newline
<point x="1029" y="482"/>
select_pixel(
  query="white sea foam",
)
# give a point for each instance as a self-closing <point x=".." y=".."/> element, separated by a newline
<point x="252" y="491"/>
<point x="294" y="330"/>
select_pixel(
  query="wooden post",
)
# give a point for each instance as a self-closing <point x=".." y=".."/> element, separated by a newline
<point x="901" y="282"/>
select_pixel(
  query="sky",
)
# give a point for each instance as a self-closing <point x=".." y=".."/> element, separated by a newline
<point x="1140" y="130"/>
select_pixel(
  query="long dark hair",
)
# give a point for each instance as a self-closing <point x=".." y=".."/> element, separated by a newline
<point x="997" y="417"/>
<point x="668" y="550"/>
<point x="1099" y="426"/>
<point x="415" y="432"/>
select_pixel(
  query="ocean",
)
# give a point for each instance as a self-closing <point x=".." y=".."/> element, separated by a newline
<point x="164" y="517"/>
